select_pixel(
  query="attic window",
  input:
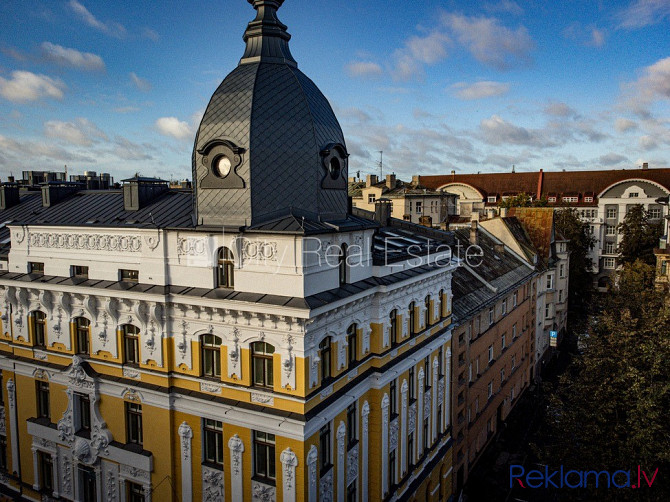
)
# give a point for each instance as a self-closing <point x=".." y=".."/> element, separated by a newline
<point x="492" y="198"/>
<point x="552" y="199"/>
<point x="588" y="199"/>
<point x="633" y="195"/>
<point x="371" y="198"/>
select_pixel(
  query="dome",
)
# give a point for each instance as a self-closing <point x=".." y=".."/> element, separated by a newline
<point x="269" y="143"/>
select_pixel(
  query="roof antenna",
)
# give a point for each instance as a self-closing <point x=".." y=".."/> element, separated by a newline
<point x="513" y="171"/>
<point x="381" y="164"/>
<point x="152" y="218"/>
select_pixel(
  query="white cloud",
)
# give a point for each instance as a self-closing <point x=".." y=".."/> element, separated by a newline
<point x="497" y="131"/>
<point x="25" y="86"/>
<point x="653" y="85"/>
<point x="64" y="56"/>
<point x="172" y="126"/>
<point x="613" y="159"/>
<point x="559" y="109"/>
<point x="18" y="151"/>
<point x="480" y="90"/>
<point x="141" y="83"/>
<point x="110" y="28"/>
<point x="127" y="150"/>
<point x="82" y="132"/>
<point x="363" y="69"/>
<point x="150" y="34"/>
<point x="418" y="51"/>
<point x="643" y="13"/>
<point x="489" y="42"/>
<point x="625" y="125"/>
<point x="589" y="36"/>
<point x="647" y="142"/>
<point x="505" y="6"/>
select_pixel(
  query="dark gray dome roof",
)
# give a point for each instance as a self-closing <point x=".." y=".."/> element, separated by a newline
<point x="280" y="128"/>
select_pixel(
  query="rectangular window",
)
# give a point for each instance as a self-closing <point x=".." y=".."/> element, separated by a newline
<point x="371" y="198"/>
<point x="392" y="479"/>
<point x="490" y="316"/>
<point x="213" y="442"/>
<point x="410" y="449"/>
<point x="3" y="454"/>
<point x="426" y="372"/>
<point x="560" y="295"/>
<point x="35" y="268"/>
<point x="551" y="199"/>
<point x="561" y="270"/>
<point x="654" y="213"/>
<point x="440" y="357"/>
<point x="504" y="306"/>
<point x="134" y="423"/>
<point x="547" y="311"/>
<point x="43" y="409"/>
<point x="610" y="230"/>
<point x="80" y="271"/>
<point x="515" y="298"/>
<point x="550" y="281"/>
<point x="609" y="263"/>
<point x="131" y="347"/>
<point x="418" y="207"/>
<point x="425" y="435"/>
<point x="82" y="336"/>
<point x="411" y="384"/>
<point x="46" y="471"/>
<point x="352" y="344"/>
<point x="492" y="199"/>
<point x="351" y="424"/>
<point x="87" y="485"/>
<point x="503" y="341"/>
<point x="324" y="449"/>
<point x="588" y="199"/>
<point x="611" y="213"/>
<point x="570" y="199"/>
<point x="82" y="405"/>
<point x="470" y="372"/>
<point x="393" y="402"/>
<point x="351" y="492"/>
<point x="502" y="376"/>
<point x="514" y="331"/>
<point x="129" y="275"/>
<point x="633" y="195"/>
<point x="134" y="492"/>
<point x="490" y="353"/>
<point x="489" y="389"/>
<point x="39" y="319"/>
<point x="610" y="248"/>
<point x="264" y="456"/>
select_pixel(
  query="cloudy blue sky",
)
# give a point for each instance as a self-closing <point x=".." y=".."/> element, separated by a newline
<point x="436" y="85"/>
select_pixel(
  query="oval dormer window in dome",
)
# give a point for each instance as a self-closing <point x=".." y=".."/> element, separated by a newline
<point x="222" y="158"/>
<point x="222" y="166"/>
<point x="334" y="161"/>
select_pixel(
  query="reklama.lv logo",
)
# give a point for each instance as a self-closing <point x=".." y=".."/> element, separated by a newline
<point x="560" y="478"/>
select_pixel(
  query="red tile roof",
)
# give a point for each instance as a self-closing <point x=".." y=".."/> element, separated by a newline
<point x="584" y="183"/>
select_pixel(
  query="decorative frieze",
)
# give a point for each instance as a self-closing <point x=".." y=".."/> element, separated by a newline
<point x="260" y="492"/>
<point x="326" y="487"/>
<point x="212" y="485"/>
<point x="88" y="242"/>
<point x="210" y="387"/>
<point x="259" y="398"/>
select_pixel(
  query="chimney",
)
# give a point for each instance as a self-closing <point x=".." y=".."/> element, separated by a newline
<point x="540" y="179"/>
<point x="453" y="175"/>
<point x="55" y="191"/>
<point x="426" y="221"/>
<point x="416" y="180"/>
<point x="9" y="195"/>
<point x="473" y="232"/>
<point x="645" y="165"/>
<point x="390" y="181"/>
<point x="370" y="180"/>
<point x="383" y="208"/>
<point x="138" y="191"/>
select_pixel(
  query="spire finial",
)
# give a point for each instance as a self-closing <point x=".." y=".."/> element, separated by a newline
<point x="266" y="37"/>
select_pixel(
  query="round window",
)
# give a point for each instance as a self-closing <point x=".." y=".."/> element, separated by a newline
<point x="222" y="166"/>
<point x="334" y="168"/>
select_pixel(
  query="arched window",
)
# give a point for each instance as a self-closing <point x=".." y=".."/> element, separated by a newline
<point x="325" y="355"/>
<point x="210" y="347"/>
<point x="393" y="318"/>
<point x="82" y="335"/>
<point x="412" y="318"/>
<point x="225" y="267"/>
<point x="131" y="344"/>
<point x="261" y="364"/>
<point x="441" y="303"/>
<point x="351" y="344"/>
<point x="343" y="264"/>
<point x="427" y="320"/>
<point x="38" y="326"/>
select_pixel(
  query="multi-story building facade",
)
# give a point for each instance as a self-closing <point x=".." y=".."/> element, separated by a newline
<point x="601" y="198"/>
<point x="410" y="201"/>
<point x="493" y="342"/>
<point x="249" y="340"/>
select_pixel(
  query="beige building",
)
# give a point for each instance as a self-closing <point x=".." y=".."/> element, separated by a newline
<point x="411" y="201"/>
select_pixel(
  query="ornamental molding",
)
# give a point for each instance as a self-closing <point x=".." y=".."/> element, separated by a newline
<point x="261" y="492"/>
<point x="262" y="399"/>
<point x="393" y="435"/>
<point x="326" y="487"/>
<point x="212" y="388"/>
<point x="133" y="473"/>
<point x="289" y="462"/>
<point x="236" y="446"/>
<point x="87" y="242"/>
<point x="352" y="464"/>
<point x="212" y="485"/>
<point x="262" y="251"/>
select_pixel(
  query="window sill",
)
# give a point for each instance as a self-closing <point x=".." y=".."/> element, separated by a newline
<point x="265" y="481"/>
<point x="213" y="465"/>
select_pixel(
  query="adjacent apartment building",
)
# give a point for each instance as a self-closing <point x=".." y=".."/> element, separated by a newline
<point x="601" y="197"/>
<point x="411" y="202"/>
<point x="493" y="340"/>
<point x="252" y="339"/>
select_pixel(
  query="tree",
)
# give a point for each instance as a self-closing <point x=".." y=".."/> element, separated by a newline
<point x="639" y="236"/>
<point x="609" y="411"/>
<point x="522" y="200"/>
<point x="580" y="243"/>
